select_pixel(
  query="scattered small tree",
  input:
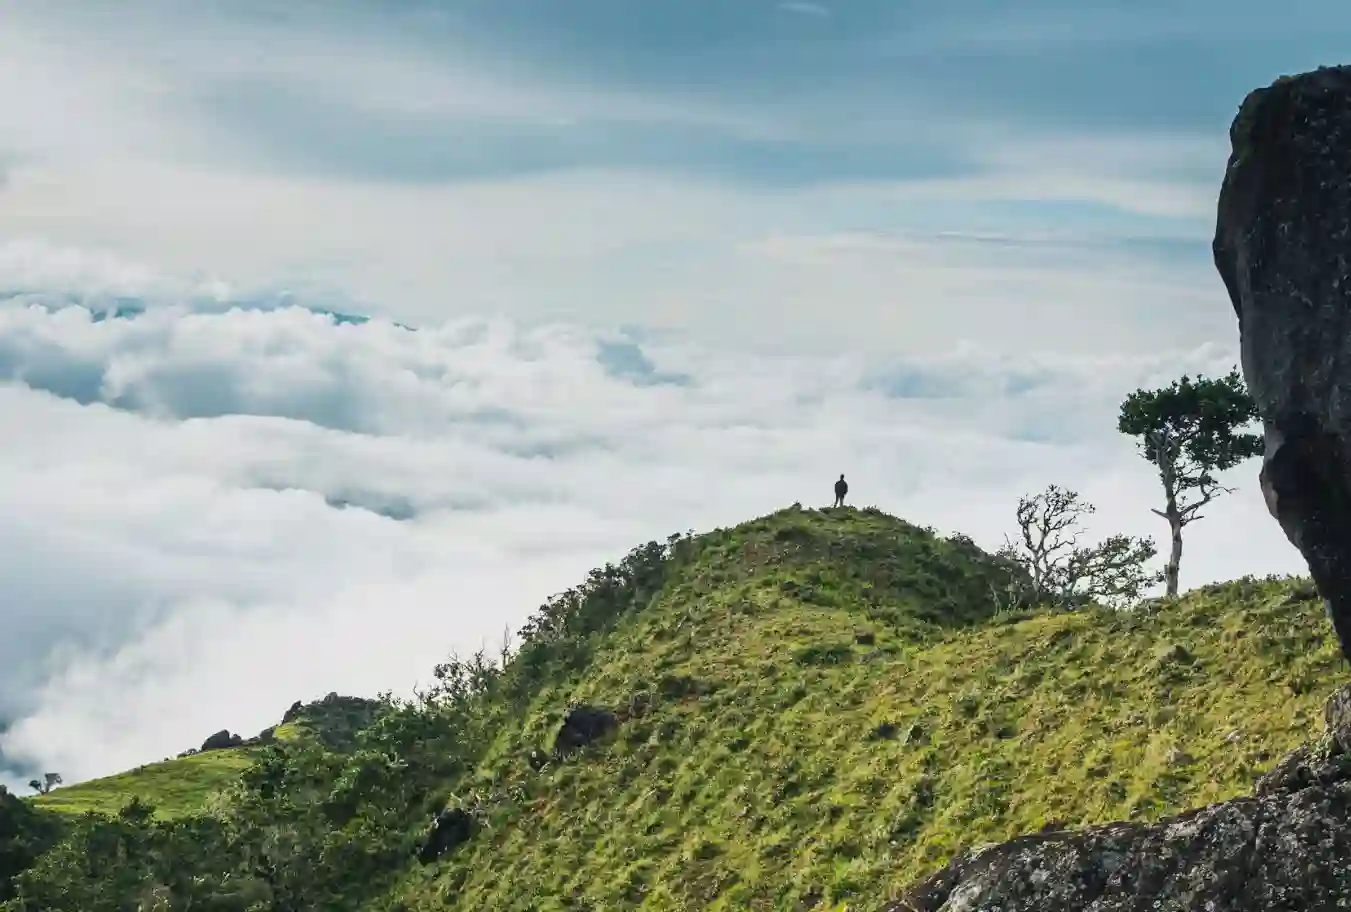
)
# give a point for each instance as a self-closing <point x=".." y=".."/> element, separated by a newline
<point x="1191" y="431"/>
<point x="1064" y="573"/>
<point x="44" y="785"/>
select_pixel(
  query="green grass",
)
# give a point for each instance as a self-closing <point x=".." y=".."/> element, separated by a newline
<point x="176" y="788"/>
<point x="184" y="786"/>
<point x="823" y="707"/>
<point x="289" y="731"/>
<point x="759" y="780"/>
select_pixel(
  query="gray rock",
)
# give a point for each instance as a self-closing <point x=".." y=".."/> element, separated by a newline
<point x="1283" y="248"/>
<point x="1337" y="717"/>
<point x="1286" y="848"/>
<point x="221" y="740"/>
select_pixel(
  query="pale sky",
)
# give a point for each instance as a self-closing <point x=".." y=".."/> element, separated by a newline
<point x="629" y="269"/>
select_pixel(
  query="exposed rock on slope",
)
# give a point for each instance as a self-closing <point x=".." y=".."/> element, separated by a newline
<point x="1283" y="247"/>
<point x="1287" y="848"/>
<point x="221" y="740"/>
<point x="581" y="726"/>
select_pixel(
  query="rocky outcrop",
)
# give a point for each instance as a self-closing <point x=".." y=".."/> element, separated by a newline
<point x="1283" y="248"/>
<point x="264" y="737"/>
<point x="335" y="720"/>
<point x="220" y="741"/>
<point x="1287" y="848"/>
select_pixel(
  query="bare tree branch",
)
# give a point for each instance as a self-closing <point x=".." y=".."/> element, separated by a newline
<point x="1059" y="569"/>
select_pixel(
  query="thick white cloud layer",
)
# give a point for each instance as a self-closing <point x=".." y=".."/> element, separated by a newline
<point x="208" y="512"/>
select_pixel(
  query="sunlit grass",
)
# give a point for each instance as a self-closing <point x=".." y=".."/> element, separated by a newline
<point x="829" y="706"/>
<point x="174" y="787"/>
<point x="815" y="745"/>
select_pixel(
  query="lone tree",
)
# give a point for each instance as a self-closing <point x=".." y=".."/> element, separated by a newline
<point x="1191" y="430"/>
<point x="46" y="783"/>
<point x="1063" y="572"/>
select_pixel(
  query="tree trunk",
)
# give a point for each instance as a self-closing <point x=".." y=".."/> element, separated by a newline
<point x="1175" y="555"/>
<point x="1167" y="451"/>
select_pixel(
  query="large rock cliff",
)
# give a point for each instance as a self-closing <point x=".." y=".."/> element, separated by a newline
<point x="1283" y="247"/>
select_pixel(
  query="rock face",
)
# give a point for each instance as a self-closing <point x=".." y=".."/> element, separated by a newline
<point x="1288" y="848"/>
<point x="1283" y="247"/>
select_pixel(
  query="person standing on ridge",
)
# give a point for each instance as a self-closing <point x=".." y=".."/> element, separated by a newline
<point x="841" y="489"/>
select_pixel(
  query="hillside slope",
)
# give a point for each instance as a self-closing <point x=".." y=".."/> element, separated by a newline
<point x="813" y="707"/>
<point x="184" y="785"/>
<point x="805" y="744"/>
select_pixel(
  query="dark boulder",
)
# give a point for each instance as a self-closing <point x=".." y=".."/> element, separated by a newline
<point x="581" y="726"/>
<point x="1283" y="248"/>
<point x="450" y="828"/>
<point x="221" y="740"/>
<point x="1287" y="848"/>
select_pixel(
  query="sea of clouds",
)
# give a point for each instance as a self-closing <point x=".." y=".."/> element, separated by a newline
<point x="213" y="504"/>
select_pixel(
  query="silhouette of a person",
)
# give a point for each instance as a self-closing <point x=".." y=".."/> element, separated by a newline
<point x="841" y="489"/>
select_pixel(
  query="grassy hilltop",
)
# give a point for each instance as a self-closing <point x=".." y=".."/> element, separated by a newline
<point x="811" y="708"/>
<point x="181" y="787"/>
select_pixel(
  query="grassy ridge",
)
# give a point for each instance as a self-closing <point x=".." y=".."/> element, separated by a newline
<point x="808" y="742"/>
<point x="184" y="786"/>
<point x="176" y="787"/>
<point x="819" y="706"/>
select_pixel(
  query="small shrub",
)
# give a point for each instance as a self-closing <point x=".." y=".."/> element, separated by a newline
<point x="834" y="654"/>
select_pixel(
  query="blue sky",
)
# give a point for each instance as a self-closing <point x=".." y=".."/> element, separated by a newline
<point x="761" y="93"/>
<point x="670" y="265"/>
<point x="703" y="166"/>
